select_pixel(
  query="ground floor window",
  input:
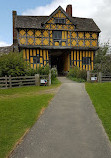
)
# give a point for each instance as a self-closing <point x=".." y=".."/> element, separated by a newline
<point x="86" y="60"/>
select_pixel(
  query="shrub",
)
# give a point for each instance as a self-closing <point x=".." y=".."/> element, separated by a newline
<point x="75" y="72"/>
<point x="53" y="73"/>
<point x="30" y="72"/>
<point x="82" y="74"/>
<point x="43" y="70"/>
<point x="12" y="64"/>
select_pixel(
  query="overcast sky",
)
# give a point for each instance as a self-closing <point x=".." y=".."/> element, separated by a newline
<point x="99" y="10"/>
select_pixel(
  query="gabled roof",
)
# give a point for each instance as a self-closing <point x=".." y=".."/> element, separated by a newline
<point x="63" y="11"/>
<point x="36" y="22"/>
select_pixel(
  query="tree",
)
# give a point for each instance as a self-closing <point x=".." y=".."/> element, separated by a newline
<point x="102" y="61"/>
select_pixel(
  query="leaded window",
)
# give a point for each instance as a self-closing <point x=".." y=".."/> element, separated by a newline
<point x="60" y="21"/>
<point x="86" y="60"/>
<point x="57" y="35"/>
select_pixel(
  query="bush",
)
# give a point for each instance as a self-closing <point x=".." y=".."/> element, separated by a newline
<point x="43" y="70"/>
<point x="53" y="73"/>
<point x="12" y="64"/>
<point x="82" y="74"/>
<point x="75" y="72"/>
<point x="30" y="72"/>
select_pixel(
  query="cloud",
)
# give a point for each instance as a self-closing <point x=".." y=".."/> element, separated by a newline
<point x="80" y="7"/>
<point x="99" y="10"/>
<point x="103" y="18"/>
<point x="3" y="44"/>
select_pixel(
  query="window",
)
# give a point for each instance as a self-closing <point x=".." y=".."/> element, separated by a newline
<point x="57" y="35"/>
<point x="86" y="60"/>
<point x="60" y="21"/>
<point x="36" y="60"/>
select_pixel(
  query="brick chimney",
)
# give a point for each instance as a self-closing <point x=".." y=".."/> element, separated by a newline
<point x="14" y="14"/>
<point x="69" y="10"/>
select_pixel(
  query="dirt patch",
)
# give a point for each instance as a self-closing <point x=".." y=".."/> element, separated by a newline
<point x="48" y="91"/>
<point x="53" y="90"/>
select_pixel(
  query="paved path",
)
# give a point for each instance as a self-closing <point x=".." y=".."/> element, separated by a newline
<point x="69" y="128"/>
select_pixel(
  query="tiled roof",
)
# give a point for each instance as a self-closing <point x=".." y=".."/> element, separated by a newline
<point x="82" y="24"/>
<point x="85" y="24"/>
<point x="30" y="21"/>
<point x="6" y="50"/>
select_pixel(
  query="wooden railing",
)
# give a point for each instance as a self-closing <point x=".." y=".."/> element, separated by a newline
<point x="100" y="77"/>
<point x="9" y="81"/>
<point x="106" y="78"/>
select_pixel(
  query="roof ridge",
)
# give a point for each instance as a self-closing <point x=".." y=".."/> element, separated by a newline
<point x="32" y="16"/>
<point x="82" y="18"/>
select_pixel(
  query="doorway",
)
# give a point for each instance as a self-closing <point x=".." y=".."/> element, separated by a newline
<point x="60" y="60"/>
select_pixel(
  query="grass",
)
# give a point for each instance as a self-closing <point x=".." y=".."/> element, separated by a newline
<point x="55" y="81"/>
<point x="100" y="94"/>
<point x="19" y="109"/>
<point x="76" y="79"/>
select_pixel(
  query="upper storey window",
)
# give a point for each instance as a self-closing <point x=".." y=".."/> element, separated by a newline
<point x="60" y="21"/>
<point x="57" y="35"/>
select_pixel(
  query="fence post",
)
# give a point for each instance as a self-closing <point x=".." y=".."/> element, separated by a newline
<point x="49" y="78"/>
<point x="88" y="76"/>
<point x="10" y="82"/>
<point x="100" y="77"/>
<point x="37" y="79"/>
<point x="5" y="81"/>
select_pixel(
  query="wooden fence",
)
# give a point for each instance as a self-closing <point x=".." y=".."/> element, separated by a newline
<point x="106" y="78"/>
<point x="99" y="77"/>
<point x="9" y="81"/>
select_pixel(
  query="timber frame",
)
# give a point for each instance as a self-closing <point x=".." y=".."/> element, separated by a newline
<point x="78" y="41"/>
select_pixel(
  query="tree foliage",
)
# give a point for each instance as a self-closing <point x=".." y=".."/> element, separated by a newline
<point x="102" y="61"/>
<point x="12" y="64"/>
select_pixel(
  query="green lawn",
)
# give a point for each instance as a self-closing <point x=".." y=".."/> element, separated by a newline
<point x="19" y="109"/>
<point x="100" y="94"/>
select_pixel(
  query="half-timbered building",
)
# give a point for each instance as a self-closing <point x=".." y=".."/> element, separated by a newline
<point x="57" y="40"/>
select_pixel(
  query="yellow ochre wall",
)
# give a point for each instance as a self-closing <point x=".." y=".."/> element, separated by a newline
<point x="29" y="54"/>
<point x="72" y="59"/>
<point x="76" y="59"/>
<point x="70" y="37"/>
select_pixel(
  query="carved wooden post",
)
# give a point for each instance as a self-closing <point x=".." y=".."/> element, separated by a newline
<point x="88" y="76"/>
<point x="37" y="80"/>
<point x="49" y="78"/>
<point x="10" y="82"/>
